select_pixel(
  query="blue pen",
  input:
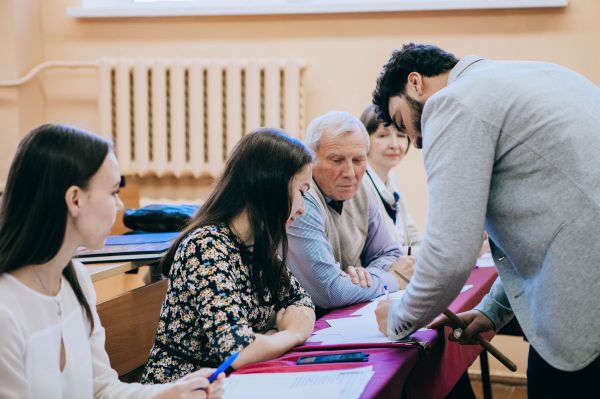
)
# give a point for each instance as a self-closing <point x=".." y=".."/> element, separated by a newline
<point x="386" y="292"/>
<point x="223" y="366"/>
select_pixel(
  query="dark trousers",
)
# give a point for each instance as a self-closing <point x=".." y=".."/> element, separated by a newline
<point x="462" y="389"/>
<point x="547" y="382"/>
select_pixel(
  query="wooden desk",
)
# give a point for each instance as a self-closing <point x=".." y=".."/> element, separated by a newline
<point x="101" y="271"/>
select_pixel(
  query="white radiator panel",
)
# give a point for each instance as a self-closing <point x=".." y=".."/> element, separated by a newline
<point x="184" y="116"/>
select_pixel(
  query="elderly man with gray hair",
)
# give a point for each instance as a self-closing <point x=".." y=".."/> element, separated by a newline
<point x="340" y="250"/>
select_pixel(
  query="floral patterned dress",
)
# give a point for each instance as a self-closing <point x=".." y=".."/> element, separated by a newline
<point x="211" y="309"/>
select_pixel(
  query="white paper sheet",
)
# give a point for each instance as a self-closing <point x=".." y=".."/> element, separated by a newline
<point x="361" y="327"/>
<point x="334" y="384"/>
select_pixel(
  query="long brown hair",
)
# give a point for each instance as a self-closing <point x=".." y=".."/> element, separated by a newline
<point x="257" y="179"/>
<point x="33" y="211"/>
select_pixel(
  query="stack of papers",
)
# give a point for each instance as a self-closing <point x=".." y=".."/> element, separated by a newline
<point x="361" y="328"/>
<point x="150" y="246"/>
<point x="334" y="384"/>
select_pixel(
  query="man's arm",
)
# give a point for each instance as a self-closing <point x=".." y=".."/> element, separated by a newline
<point x="495" y="306"/>
<point x="459" y="153"/>
<point x="310" y="258"/>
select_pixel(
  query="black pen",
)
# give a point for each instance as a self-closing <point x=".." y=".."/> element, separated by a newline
<point x="408" y="252"/>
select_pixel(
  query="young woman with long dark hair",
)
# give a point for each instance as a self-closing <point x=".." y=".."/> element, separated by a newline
<point x="62" y="193"/>
<point x="229" y="290"/>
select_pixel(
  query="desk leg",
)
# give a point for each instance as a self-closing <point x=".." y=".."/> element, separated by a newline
<point x="155" y="272"/>
<point x="485" y="375"/>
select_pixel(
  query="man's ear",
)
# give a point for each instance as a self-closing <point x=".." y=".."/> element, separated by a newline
<point x="414" y="85"/>
<point x="73" y="200"/>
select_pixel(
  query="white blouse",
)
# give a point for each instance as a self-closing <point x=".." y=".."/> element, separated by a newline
<point x="32" y="326"/>
<point x="404" y="229"/>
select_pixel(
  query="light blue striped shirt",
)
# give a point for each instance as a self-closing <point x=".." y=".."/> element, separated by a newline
<point x="310" y="259"/>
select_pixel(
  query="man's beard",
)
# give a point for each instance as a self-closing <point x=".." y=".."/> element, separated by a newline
<point x="417" y="110"/>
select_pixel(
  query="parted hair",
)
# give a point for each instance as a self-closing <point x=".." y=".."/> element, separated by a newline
<point x="428" y="60"/>
<point x="257" y="179"/>
<point x="33" y="210"/>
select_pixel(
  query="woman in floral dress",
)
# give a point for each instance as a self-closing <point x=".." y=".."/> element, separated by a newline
<point x="229" y="290"/>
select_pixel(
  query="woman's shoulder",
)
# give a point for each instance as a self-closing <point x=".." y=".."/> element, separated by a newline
<point x="9" y="291"/>
<point x="81" y="272"/>
<point x="208" y="240"/>
<point x="210" y="233"/>
<point x="85" y="280"/>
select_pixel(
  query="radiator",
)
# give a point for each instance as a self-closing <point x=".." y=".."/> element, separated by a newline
<point x="183" y="116"/>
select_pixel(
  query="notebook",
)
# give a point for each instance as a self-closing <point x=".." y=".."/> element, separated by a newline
<point x="151" y="246"/>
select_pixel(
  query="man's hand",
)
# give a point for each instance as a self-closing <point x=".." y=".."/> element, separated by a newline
<point x="359" y="275"/>
<point x="381" y="312"/>
<point x="404" y="265"/>
<point x="477" y="322"/>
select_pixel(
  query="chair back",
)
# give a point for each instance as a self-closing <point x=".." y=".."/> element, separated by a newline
<point x="130" y="321"/>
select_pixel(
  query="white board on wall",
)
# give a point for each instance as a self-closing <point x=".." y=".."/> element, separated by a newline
<point x="159" y="8"/>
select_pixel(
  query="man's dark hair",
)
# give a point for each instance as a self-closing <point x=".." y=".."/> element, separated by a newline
<point x="425" y="59"/>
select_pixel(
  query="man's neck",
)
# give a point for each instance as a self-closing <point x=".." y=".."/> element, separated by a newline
<point x="435" y="84"/>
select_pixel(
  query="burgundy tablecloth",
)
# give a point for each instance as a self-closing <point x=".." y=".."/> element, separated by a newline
<point x="397" y="366"/>
<point x="436" y="374"/>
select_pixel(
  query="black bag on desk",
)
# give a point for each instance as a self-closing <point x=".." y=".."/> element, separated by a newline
<point x="159" y="218"/>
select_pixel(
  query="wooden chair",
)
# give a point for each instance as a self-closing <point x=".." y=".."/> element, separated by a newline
<point x="131" y="318"/>
<point x="130" y="321"/>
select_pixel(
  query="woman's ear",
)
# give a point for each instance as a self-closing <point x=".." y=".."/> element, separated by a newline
<point x="73" y="199"/>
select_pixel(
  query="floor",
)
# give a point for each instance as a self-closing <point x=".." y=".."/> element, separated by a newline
<point x="501" y="391"/>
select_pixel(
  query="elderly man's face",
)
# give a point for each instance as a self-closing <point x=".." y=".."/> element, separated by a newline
<point x="341" y="164"/>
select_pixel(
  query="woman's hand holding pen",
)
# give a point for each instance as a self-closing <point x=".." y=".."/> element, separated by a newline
<point x="188" y="387"/>
<point x="296" y="319"/>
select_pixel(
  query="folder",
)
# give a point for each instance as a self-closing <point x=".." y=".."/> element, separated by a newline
<point x="152" y="246"/>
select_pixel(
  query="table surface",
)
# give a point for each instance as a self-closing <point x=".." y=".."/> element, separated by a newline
<point x="101" y="271"/>
<point x="399" y="369"/>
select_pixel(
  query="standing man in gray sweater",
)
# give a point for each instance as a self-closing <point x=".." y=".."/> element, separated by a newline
<point x="512" y="147"/>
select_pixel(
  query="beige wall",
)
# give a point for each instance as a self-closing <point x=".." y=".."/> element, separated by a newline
<point x="21" y="46"/>
<point x="343" y="53"/>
